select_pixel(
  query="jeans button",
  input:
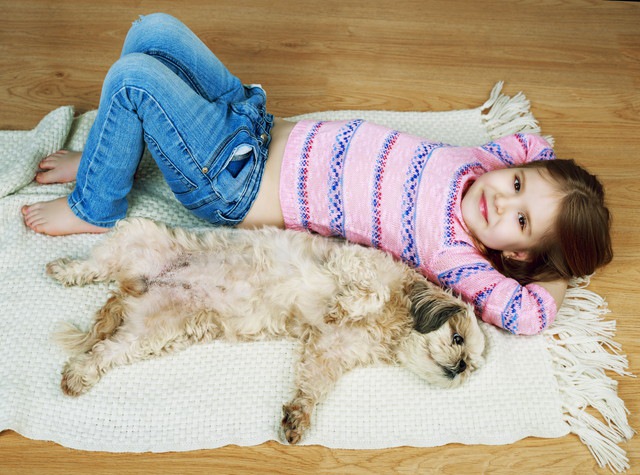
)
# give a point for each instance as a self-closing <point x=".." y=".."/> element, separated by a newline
<point x="263" y="137"/>
<point x="205" y="170"/>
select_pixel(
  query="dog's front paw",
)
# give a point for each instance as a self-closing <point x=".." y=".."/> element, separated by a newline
<point x="295" y="422"/>
<point x="76" y="382"/>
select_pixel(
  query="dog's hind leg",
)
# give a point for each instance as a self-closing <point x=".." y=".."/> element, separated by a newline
<point x="103" y="264"/>
<point x="97" y="350"/>
<point x="324" y="359"/>
<point x="76" y="271"/>
<point x="135" y="247"/>
<point x="83" y="371"/>
<point x="138" y="328"/>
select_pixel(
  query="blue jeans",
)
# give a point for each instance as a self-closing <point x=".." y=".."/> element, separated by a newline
<point x="207" y="132"/>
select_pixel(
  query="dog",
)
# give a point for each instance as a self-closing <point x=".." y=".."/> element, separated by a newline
<point x="348" y="306"/>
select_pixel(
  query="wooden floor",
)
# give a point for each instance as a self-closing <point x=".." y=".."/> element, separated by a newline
<point x="577" y="61"/>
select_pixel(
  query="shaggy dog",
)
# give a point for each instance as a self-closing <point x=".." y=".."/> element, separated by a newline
<point x="348" y="305"/>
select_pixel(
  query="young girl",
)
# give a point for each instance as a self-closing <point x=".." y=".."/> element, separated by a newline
<point x="503" y="225"/>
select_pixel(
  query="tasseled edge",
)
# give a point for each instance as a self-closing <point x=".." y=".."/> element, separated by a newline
<point x="503" y="115"/>
<point x="582" y="347"/>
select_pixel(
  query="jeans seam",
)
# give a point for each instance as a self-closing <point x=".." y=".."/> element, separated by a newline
<point x="180" y="175"/>
<point x="75" y="207"/>
<point x="164" y="114"/>
<point x="174" y="62"/>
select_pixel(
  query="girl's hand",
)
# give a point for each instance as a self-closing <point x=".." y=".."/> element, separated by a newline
<point x="557" y="289"/>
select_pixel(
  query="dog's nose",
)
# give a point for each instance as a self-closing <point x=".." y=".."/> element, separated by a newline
<point x="454" y="371"/>
<point x="461" y="367"/>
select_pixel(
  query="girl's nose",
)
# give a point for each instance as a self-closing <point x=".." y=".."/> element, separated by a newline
<point x="505" y="202"/>
<point x="500" y="203"/>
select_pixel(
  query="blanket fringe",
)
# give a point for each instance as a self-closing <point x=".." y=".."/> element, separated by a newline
<point x="582" y="347"/>
<point x="509" y="115"/>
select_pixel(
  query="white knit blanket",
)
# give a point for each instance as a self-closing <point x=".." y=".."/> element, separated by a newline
<point x="222" y="393"/>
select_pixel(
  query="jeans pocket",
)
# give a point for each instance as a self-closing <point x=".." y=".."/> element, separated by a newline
<point x="233" y="181"/>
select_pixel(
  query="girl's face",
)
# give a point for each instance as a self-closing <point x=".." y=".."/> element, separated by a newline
<point x="511" y="209"/>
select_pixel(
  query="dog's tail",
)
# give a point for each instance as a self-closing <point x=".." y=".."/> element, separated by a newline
<point x="71" y="338"/>
<point x="74" y="341"/>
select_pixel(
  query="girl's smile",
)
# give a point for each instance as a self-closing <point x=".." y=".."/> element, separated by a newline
<point x="483" y="206"/>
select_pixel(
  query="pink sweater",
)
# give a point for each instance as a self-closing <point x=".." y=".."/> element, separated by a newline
<point x="400" y="193"/>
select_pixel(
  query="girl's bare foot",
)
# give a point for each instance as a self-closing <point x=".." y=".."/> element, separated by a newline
<point x="59" y="167"/>
<point x="55" y="218"/>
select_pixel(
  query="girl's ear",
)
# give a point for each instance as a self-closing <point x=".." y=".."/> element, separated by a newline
<point x="516" y="255"/>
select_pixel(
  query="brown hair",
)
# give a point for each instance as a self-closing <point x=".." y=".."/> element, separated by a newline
<point x="579" y="241"/>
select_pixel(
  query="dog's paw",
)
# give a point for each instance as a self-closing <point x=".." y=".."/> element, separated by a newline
<point x="59" y="270"/>
<point x="294" y="423"/>
<point x="75" y="382"/>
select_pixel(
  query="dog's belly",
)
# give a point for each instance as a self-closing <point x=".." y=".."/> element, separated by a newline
<point x="247" y="301"/>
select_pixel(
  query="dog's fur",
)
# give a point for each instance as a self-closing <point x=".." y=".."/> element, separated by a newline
<point x="348" y="305"/>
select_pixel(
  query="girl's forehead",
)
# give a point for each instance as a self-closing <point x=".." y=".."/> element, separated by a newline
<point x="540" y="179"/>
<point x="543" y="197"/>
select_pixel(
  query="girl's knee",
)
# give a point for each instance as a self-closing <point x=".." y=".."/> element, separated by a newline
<point x="149" y="32"/>
<point x="154" y="20"/>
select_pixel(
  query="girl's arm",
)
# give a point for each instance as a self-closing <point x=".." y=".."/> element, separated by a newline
<point x="499" y="300"/>
<point x="557" y="289"/>
<point x="516" y="149"/>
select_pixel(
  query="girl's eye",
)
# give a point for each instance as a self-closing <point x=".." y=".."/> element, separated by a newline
<point x="516" y="184"/>
<point x="522" y="220"/>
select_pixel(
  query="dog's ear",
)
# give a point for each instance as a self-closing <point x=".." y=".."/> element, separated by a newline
<point x="430" y="307"/>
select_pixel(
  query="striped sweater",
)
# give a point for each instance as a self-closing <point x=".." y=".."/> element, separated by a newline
<point x="399" y="193"/>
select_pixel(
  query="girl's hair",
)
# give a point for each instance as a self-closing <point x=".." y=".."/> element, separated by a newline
<point x="579" y="242"/>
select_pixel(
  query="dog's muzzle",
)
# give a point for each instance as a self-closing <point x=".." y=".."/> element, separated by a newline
<point x="456" y="370"/>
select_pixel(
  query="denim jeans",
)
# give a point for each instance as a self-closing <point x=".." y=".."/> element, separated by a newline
<point x="208" y="133"/>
